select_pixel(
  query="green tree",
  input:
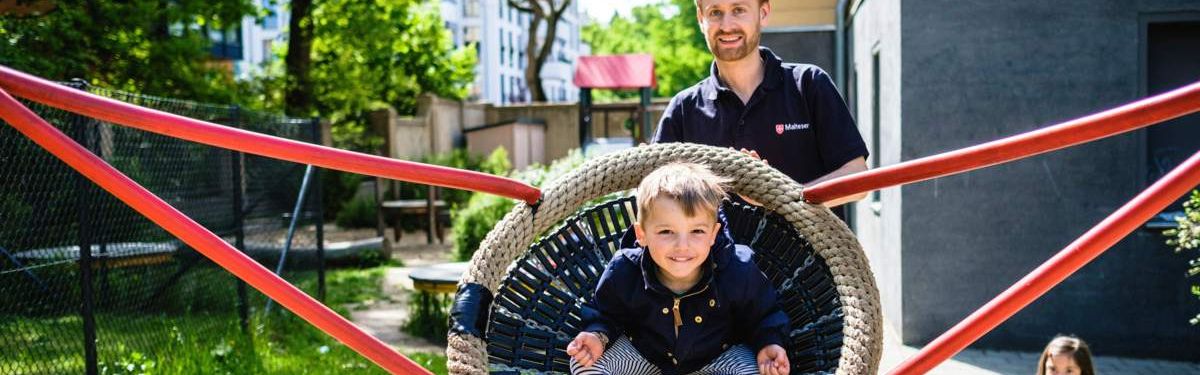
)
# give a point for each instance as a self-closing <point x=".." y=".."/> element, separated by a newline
<point x="1186" y="236"/>
<point x="158" y="47"/>
<point x="368" y="54"/>
<point x="668" y="31"/>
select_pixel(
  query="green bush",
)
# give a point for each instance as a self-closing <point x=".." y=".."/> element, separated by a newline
<point x="337" y="189"/>
<point x="473" y="222"/>
<point x="481" y="213"/>
<point x="359" y="213"/>
<point x="495" y="163"/>
<point x="1186" y="236"/>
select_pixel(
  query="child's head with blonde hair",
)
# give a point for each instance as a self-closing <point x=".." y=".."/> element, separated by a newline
<point x="677" y="220"/>
<point x="693" y="186"/>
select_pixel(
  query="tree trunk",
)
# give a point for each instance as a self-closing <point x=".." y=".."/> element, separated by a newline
<point x="298" y="96"/>
<point x="533" y="68"/>
<point x="536" y="55"/>
<point x="539" y="94"/>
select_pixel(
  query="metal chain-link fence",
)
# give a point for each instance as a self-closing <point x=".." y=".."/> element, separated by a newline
<point x="89" y="285"/>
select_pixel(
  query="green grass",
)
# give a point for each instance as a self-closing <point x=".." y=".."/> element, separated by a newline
<point x="208" y="341"/>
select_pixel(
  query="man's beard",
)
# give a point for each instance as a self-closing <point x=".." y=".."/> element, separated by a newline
<point x="749" y="45"/>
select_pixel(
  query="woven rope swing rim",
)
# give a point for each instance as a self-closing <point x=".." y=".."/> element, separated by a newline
<point x="830" y="238"/>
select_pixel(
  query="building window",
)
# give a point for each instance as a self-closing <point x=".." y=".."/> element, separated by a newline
<point x="503" y="89"/>
<point x="875" y="119"/>
<point x="271" y="21"/>
<point x="471" y="8"/>
<point x="266" y="50"/>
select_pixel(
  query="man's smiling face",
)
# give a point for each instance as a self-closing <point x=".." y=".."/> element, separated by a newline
<point x="732" y="28"/>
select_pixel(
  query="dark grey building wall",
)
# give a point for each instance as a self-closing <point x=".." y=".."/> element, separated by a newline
<point x="978" y="71"/>
<point x="808" y="47"/>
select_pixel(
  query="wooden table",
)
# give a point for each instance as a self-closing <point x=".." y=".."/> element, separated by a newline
<point x="396" y="210"/>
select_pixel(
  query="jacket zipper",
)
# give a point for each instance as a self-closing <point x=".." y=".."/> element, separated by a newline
<point x="675" y="309"/>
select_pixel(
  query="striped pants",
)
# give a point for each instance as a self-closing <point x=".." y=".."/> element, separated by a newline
<point x="622" y="359"/>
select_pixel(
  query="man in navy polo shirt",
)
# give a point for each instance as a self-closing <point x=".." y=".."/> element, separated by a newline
<point x="791" y="115"/>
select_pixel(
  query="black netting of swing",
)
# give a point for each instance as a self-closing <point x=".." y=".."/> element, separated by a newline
<point x="536" y="311"/>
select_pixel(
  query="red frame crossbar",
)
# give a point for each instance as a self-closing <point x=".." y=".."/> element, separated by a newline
<point x="1093" y="243"/>
<point x="172" y="125"/>
<point x="1149" y="111"/>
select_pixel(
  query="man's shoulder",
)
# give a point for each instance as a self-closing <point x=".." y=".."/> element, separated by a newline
<point x="690" y="95"/>
<point x="801" y="72"/>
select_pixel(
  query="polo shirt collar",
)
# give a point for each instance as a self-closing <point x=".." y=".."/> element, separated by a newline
<point x="772" y="75"/>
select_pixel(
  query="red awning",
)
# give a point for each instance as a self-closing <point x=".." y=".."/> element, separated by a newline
<point x="615" y="72"/>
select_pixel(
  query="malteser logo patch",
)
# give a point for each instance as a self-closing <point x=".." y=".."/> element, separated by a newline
<point x="780" y="128"/>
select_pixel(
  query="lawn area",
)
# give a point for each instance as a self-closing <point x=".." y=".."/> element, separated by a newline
<point x="202" y="342"/>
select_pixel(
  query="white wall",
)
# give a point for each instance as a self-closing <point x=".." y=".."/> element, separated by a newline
<point x="876" y="29"/>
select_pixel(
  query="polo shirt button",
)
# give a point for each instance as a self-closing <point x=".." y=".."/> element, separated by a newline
<point x="670" y="355"/>
<point x="674" y="362"/>
<point x="724" y="346"/>
<point x="712" y="303"/>
<point x="666" y="311"/>
<point x="699" y="319"/>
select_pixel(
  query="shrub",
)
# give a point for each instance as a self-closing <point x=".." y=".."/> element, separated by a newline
<point x="359" y="213"/>
<point x="481" y="213"/>
<point x="1186" y="236"/>
<point x="473" y="222"/>
<point x="495" y="163"/>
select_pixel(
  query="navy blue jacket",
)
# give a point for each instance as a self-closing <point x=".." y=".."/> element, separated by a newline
<point x="796" y="119"/>
<point x="734" y="303"/>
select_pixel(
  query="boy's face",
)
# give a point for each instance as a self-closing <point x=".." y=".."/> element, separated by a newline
<point x="678" y="243"/>
<point x="732" y="28"/>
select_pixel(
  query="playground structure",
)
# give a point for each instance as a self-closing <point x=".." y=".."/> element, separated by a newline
<point x="1126" y="118"/>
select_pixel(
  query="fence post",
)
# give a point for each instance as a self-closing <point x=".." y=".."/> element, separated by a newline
<point x="319" y="209"/>
<point x="585" y="118"/>
<point x="239" y="217"/>
<point x="83" y="191"/>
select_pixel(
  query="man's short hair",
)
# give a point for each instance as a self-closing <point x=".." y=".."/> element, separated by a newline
<point x="694" y="186"/>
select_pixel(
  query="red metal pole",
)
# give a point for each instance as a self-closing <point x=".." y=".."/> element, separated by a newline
<point x="200" y="238"/>
<point x="1103" y="236"/>
<point x="49" y="93"/>
<point x="1139" y="114"/>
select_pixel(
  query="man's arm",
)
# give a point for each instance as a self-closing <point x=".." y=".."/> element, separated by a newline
<point x="853" y="166"/>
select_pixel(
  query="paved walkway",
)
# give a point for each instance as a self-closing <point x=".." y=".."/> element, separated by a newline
<point x="987" y="362"/>
<point x="384" y="319"/>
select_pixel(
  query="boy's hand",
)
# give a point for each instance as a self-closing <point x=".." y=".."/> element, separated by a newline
<point x="772" y="360"/>
<point x="586" y="348"/>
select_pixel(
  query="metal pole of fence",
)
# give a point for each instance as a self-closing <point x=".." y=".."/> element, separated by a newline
<point x="83" y="206"/>
<point x="291" y="232"/>
<point x="319" y="212"/>
<point x="238" y="160"/>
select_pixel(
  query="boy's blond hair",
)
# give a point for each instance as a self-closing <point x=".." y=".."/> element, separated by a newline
<point x="694" y="186"/>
